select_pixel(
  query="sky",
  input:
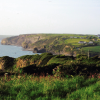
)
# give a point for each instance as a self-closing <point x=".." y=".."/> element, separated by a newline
<point x="49" y="16"/>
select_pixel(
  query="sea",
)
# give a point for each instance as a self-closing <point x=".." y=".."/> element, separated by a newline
<point x="14" y="51"/>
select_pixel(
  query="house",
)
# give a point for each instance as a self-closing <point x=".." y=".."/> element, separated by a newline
<point x="90" y="42"/>
<point x="81" y="42"/>
<point x="71" y="36"/>
<point x="75" y="37"/>
<point x="94" y="39"/>
<point x="98" y="36"/>
<point x="81" y="37"/>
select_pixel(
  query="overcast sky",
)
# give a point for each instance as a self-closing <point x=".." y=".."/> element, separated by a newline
<point x="49" y="16"/>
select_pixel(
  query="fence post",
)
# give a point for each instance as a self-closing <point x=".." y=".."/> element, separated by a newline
<point x="81" y="51"/>
<point x="88" y="54"/>
<point x="59" y="52"/>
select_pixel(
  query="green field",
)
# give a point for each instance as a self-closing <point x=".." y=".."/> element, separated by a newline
<point x="75" y="40"/>
<point x="76" y="35"/>
<point x="92" y="48"/>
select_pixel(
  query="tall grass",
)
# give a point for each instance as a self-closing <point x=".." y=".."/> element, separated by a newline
<point x="31" y="87"/>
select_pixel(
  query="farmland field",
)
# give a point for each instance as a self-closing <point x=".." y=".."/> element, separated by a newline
<point x="75" y="41"/>
<point x="92" y="48"/>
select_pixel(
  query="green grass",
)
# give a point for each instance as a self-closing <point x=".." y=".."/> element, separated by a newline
<point x="92" y="48"/>
<point x="54" y="87"/>
<point x="75" y="40"/>
<point x="49" y="88"/>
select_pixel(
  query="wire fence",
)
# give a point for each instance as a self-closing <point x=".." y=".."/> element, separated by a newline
<point x="89" y="53"/>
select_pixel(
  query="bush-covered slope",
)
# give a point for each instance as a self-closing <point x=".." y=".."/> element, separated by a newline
<point x="52" y="64"/>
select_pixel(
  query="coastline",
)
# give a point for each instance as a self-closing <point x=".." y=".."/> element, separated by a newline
<point x="30" y="49"/>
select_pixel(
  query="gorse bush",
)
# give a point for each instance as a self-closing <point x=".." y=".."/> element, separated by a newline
<point x="44" y="54"/>
<point x="27" y="57"/>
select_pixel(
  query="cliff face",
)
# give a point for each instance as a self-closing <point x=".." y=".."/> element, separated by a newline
<point x="6" y="62"/>
<point x="20" y="63"/>
<point x="38" y="43"/>
<point x="21" y="40"/>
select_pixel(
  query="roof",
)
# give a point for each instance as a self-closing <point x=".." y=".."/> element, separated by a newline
<point x="81" y="42"/>
<point x="90" y="41"/>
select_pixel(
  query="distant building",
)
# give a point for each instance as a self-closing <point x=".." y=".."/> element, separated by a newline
<point x="81" y="37"/>
<point x="71" y="36"/>
<point x="75" y="37"/>
<point x="81" y="42"/>
<point x="94" y="39"/>
<point x="90" y="42"/>
<point x="98" y="35"/>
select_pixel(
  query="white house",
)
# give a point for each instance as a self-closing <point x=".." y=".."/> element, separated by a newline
<point x="98" y="35"/>
<point x="81" y="42"/>
<point x="90" y="42"/>
<point x="75" y="37"/>
<point x="71" y="36"/>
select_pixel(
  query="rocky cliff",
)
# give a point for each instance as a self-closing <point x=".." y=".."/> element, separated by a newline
<point x="6" y="62"/>
<point x="38" y="43"/>
<point x="21" y="40"/>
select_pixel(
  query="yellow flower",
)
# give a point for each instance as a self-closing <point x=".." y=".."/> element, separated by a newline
<point x="71" y="75"/>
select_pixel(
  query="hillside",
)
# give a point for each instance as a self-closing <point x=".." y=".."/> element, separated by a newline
<point x="47" y="62"/>
<point x="50" y="77"/>
<point x="66" y="44"/>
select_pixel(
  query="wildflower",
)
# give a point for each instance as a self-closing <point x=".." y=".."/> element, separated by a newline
<point x="6" y="74"/>
<point x="71" y="75"/>
<point x="92" y="76"/>
<point x="19" y="76"/>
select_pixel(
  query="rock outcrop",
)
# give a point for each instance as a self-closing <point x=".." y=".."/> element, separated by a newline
<point x="21" y="39"/>
<point x="35" y="50"/>
<point x="23" y="63"/>
<point x="6" y="62"/>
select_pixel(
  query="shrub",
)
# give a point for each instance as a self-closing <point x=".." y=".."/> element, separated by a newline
<point x="46" y="54"/>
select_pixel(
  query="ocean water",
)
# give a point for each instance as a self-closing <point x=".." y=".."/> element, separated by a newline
<point x="13" y="51"/>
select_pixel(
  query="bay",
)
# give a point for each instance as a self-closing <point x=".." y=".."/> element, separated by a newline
<point x="13" y="51"/>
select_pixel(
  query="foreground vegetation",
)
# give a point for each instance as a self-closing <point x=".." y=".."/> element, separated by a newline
<point x="53" y="77"/>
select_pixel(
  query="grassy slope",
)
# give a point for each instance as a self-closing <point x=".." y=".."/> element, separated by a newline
<point x="56" y="40"/>
<point x="71" y="87"/>
<point x="49" y="88"/>
<point x="92" y="48"/>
